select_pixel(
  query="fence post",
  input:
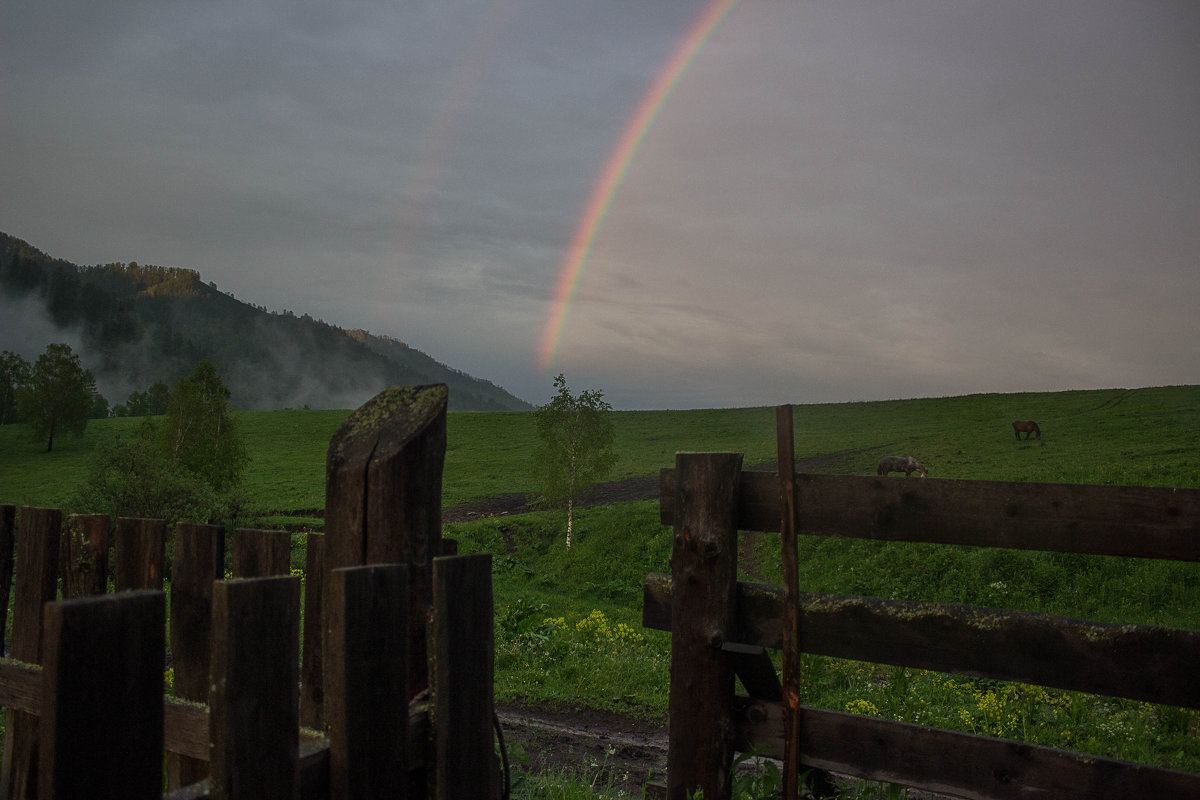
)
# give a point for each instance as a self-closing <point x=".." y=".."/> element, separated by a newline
<point x="785" y="448"/>
<point x="199" y="560"/>
<point x="138" y="553"/>
<point x="464" y="655"/>
<point x="383" y="498"/>
<point x="260" y="553"/>
<point x="101" y="727"/>
<point x="85" y="556"/>
<point x="37" y="584"/>
<point x="8" y="520"/>
<point x="366" y="699"/>
<point x="312" y="671"/>
<point x="704" y="580"/>
<point x="254" y="702"/>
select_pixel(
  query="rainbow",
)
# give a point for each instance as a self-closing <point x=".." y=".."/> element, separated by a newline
<point x="613" y="173"/>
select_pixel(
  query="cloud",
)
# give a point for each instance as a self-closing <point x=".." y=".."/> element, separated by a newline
<point x="839" y="200"/>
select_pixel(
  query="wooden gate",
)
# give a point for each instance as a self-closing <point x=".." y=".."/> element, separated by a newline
<point x="373" y="711"/>
<point x="722" y="627"/>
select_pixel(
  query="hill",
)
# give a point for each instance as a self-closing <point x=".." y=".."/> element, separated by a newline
<point x="135" y="324"/>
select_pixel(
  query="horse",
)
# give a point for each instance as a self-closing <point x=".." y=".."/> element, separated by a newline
<point x="906" y="464"/>
<point x="1027" y="427"/>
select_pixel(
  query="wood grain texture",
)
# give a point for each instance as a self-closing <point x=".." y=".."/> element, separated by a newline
<point x="254" y="690"/>
<point x="101" y="726"/>
<point x="464" y="663"/>
<point x="704" y="574"/>
<point x="36" y="584"/>
<point x="1132" y="521"/>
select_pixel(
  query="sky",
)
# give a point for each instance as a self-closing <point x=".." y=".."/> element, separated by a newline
<point x="681" y="203"/>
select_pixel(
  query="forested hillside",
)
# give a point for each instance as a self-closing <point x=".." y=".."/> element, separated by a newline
<point x="135" y="324"/>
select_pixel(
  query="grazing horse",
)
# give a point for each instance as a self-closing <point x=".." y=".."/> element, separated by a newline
<point x="906" y="464"/>
<point x="1027" y="427"/>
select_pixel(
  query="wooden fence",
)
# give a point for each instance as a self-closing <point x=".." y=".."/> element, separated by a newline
<point x="722" y="627"/>
<point x="371" y="710"/>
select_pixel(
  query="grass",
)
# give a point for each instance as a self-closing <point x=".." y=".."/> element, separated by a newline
<point x="1110" y="436"/>
<point x="568" y="623"/>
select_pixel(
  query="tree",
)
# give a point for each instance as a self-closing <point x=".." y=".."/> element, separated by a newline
<point x="58" y="395"/>
<point x="576" y="448"/>
<point x="136" y="477"/>
<point x="14" y="373"/>
<point x="199" y="432"/>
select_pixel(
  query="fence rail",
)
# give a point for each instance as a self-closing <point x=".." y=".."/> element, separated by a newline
<point x="722" y="627"/>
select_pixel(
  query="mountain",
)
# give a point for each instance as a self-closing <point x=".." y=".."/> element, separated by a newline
<point x="132" y="325"/>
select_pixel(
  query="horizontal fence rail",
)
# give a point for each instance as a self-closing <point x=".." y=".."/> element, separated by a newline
<point x="1131" y="521"/>
<point x="1139" y="662"/>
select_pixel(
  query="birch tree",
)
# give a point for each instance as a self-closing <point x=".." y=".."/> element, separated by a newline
<point x="576" y="450"/>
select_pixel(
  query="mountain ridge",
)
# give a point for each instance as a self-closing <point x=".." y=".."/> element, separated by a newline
<point x="134" y="324"/>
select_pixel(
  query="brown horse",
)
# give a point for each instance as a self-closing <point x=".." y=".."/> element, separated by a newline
<point x="906" y="464"/>
<point x="1026" y="427"/>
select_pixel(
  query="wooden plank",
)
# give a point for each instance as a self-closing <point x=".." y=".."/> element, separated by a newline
<point x="464" y="656"/>
<point x="254" y="694"/>
<point x="85" y="556"/>
<point x="754" y="668"/>
<point x="951" y="763"/>
<point x="36" y="584"/>
<point x="312" y="671"/>
<point x="1139" y="662"/>
<point x="1130" y="521"/>
<point x="786" y="470"/>
<point x="138" y="554"/>
<point x="367" y="701"/>
<point x="260" y="553"/>
<point x="101" y="727"/>
<point x="383" y="496"/>
<point x="20" y="686"/>
<point x="704" y="572"/>
<point x="8" y="526"/>
<point x="312" y="777"/>
<point x="199" y="561"/>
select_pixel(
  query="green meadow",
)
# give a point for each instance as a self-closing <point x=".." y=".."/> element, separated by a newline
<point x="568" y="625"/>
<point x="1116" y="436"/>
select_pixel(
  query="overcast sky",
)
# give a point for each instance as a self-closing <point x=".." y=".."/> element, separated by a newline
<point x="838" y="200"/>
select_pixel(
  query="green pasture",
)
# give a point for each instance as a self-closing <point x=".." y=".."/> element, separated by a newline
<point x="568" y="623"/>
<point x="1112" y="436"/>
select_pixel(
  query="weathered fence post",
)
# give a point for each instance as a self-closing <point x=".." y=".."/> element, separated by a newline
<point x="464" y="655"/>
<point x="37" y="584"/>
<point x="704" y="577"/>
<point x="255" y="705"/>
<point x="312" y="671"/>
<point x="786" y="461"/>
<point x="8" y="521"/>
<point x="101" y="730"/>
<point x="260" y="553"/>
<point x="367" y="700"/>
<point x="85" y="556"/>
<point x="199" y="560"/>
<point x="383" y="498"/>
<point x="138" y="552"/>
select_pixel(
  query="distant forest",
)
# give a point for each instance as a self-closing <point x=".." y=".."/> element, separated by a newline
<point x="134" y="324"/>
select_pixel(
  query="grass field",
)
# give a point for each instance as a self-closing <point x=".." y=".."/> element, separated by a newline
<point x="1133" y="437"/>
<point x="568" y="623"/>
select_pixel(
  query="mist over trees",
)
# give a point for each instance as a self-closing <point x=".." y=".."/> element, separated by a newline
<point x="134" y="325"/>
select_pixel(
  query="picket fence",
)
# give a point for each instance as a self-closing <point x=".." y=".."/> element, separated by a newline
<point x="388" y="693"/>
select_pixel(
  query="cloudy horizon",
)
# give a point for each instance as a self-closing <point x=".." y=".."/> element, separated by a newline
<point x="838" y="201"/>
